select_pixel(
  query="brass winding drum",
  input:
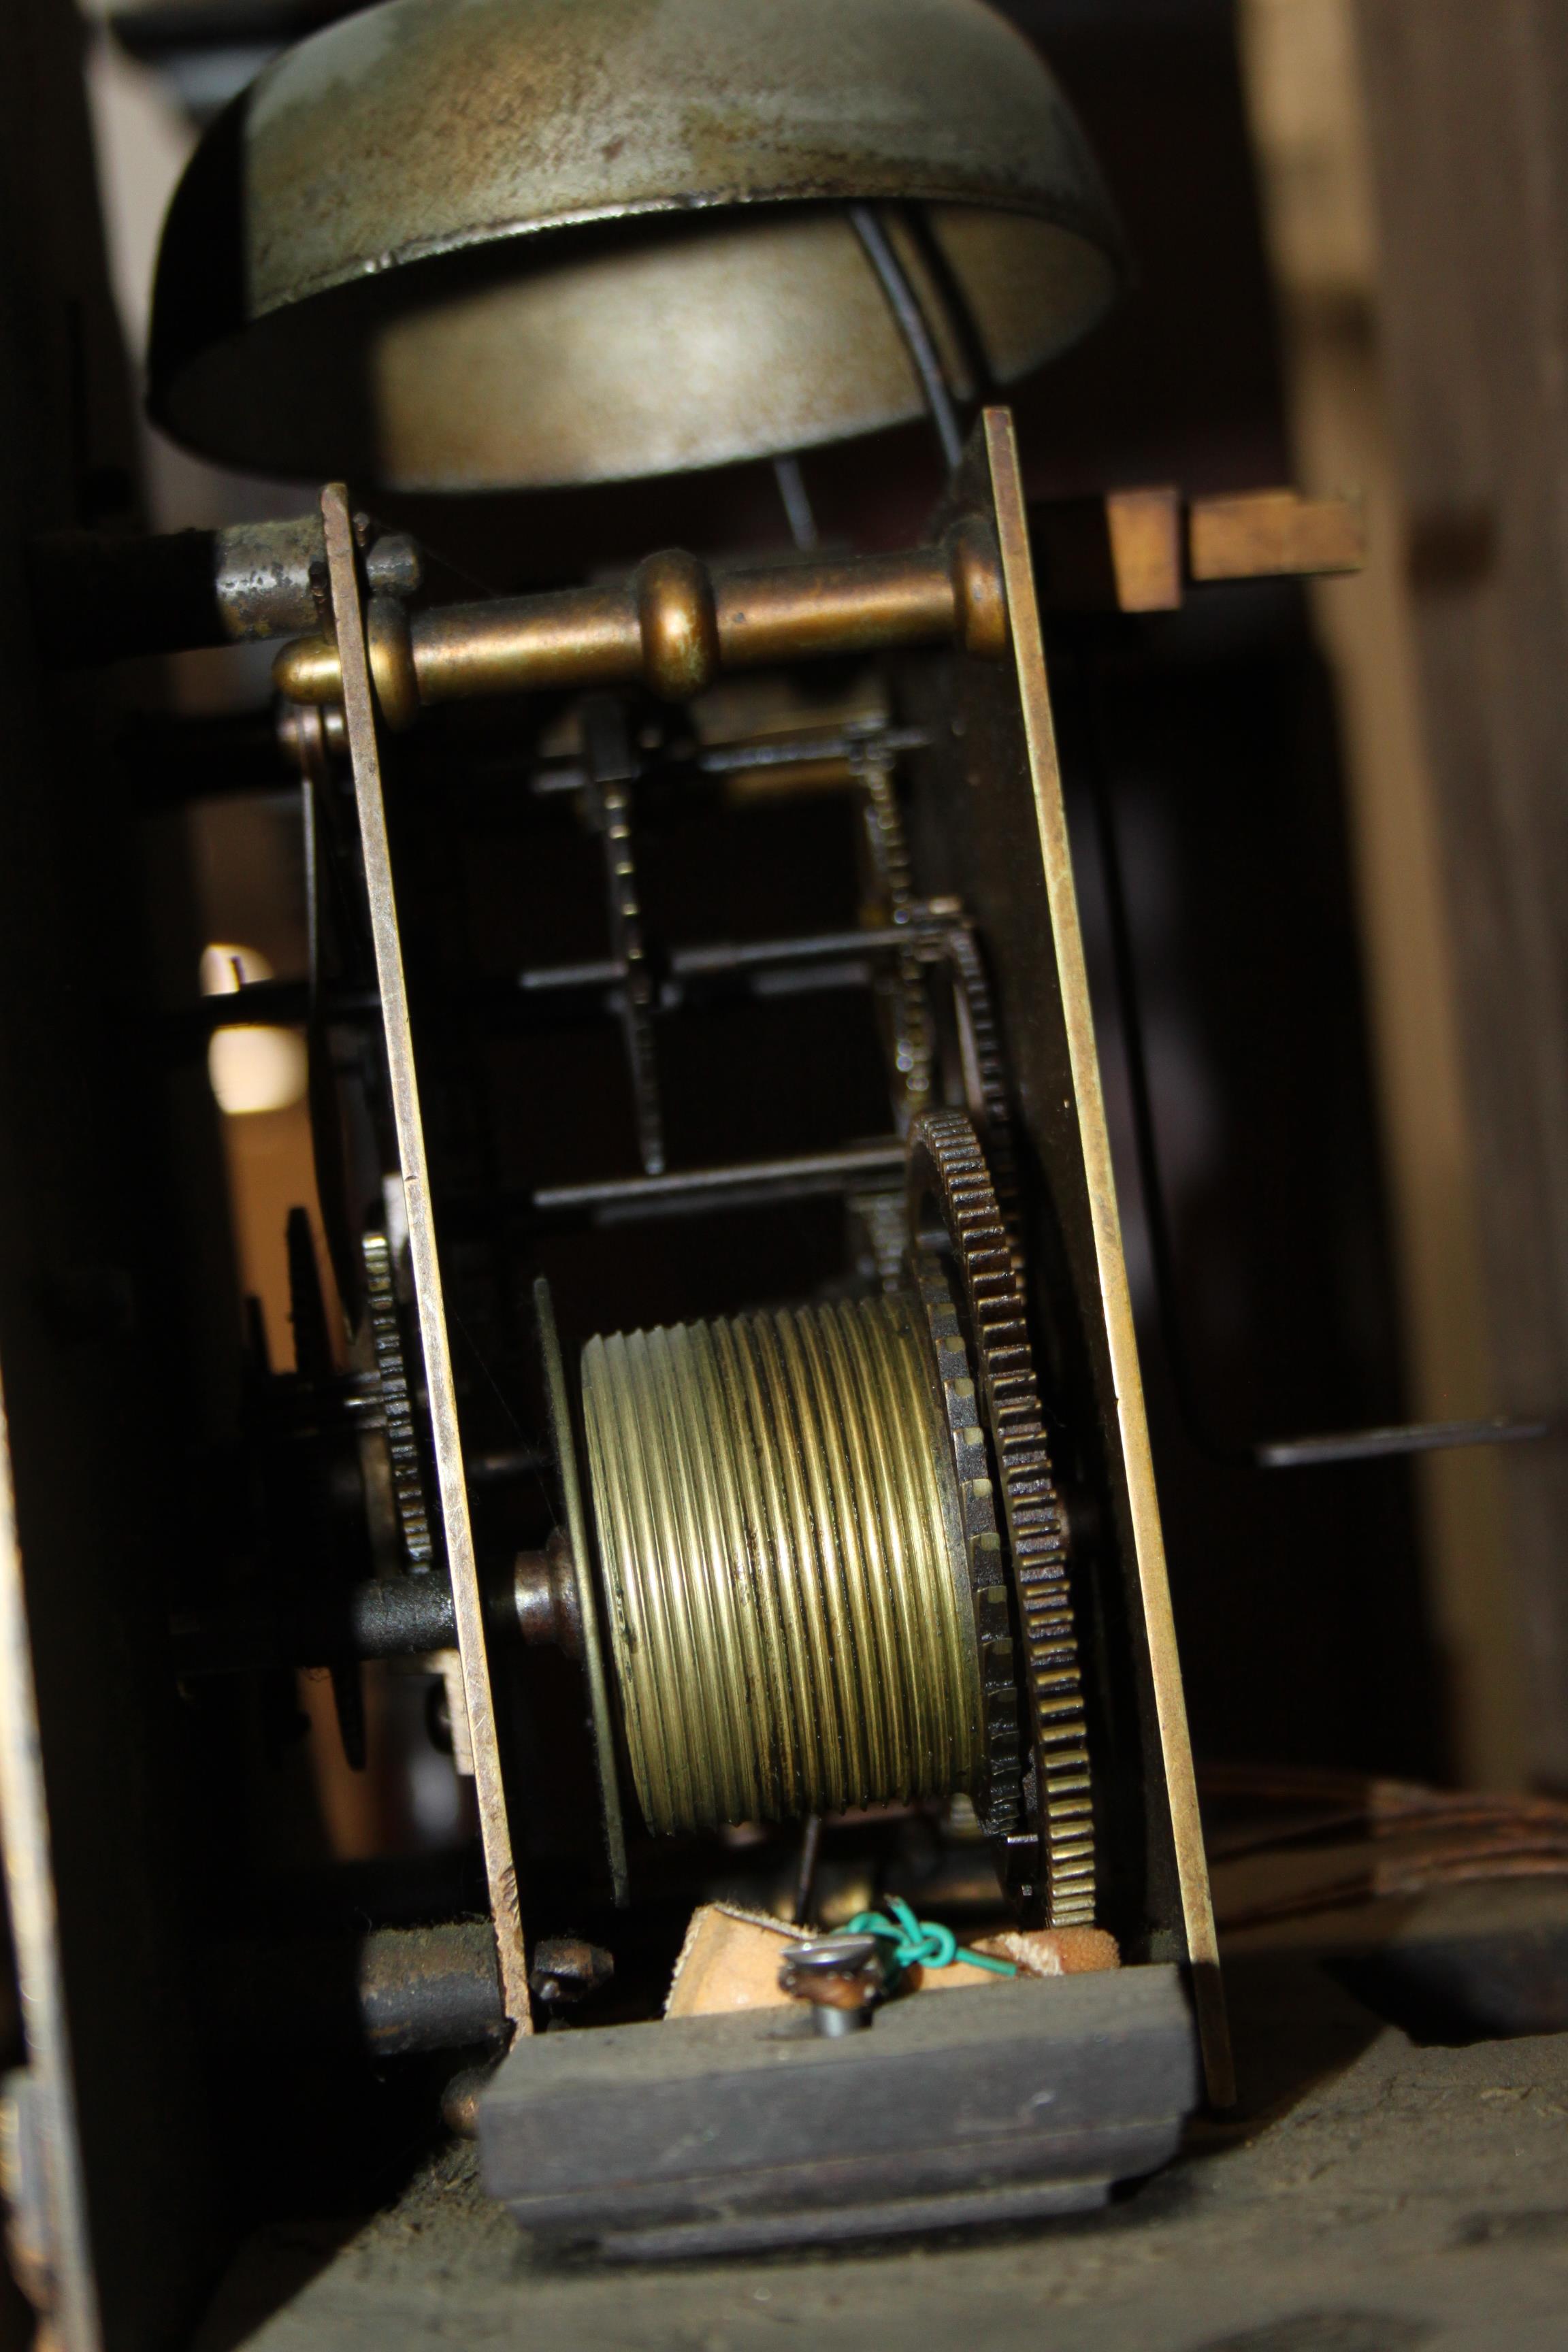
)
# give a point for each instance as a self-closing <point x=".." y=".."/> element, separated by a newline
<point x="836" y="1558"/>
<point x="783" y="1546"/>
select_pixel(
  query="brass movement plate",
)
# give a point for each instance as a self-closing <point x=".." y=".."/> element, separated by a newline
<point x="995" y="767"/>
<point x="348" y="616"/>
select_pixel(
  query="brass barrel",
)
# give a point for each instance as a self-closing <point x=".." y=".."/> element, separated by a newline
<point x="672" y="628"/>
<point x="780" y="1530"/>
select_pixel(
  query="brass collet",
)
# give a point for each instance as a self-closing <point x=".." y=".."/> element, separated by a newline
<point x="672" y="628"/>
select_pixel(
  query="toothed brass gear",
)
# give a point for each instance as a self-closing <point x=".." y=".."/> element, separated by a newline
<point x="997" y="1786"/>
<point x="984" y="1073"/>
<point x="947" y="1170"/>
<point x="906" y="1008"/>
<point x="396" y="1401"/>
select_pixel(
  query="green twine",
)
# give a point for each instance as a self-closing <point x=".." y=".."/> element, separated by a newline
<point x="920" y="1941"/>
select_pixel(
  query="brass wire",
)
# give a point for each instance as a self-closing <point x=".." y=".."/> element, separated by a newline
<point x="779" y="1528"/>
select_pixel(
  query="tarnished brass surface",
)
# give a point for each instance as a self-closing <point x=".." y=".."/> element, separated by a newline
<point x="672" y="628"/>
<point x="1106" y="1263"/>
<point x="390" y="648"/>
<point x="1016" y="872"/>
<point x="472" y="244"/>
<point x="468" y="1601"/>
<point x="602" y="1722"/>
<point x="779" y="1529"/>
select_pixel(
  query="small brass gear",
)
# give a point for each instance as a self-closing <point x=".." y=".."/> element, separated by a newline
<point x="984" y="1067"/>
<point x="948" y="1169"/>
<point x="907" y="1012"/>
<point x="997" y="1786"/>
<point x="396" y="1402"/>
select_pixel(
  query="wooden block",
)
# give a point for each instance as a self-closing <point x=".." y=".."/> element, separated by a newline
<point x="1118" y="553"/>
<point x="729" y="1960"/>
<point x="1145" y="529"/>
<point x="1273" y="534"/>
<point x="1034" y="1952"/>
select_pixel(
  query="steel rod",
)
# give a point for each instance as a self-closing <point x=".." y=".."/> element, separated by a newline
<point x="800" y="751"/>
<point x="914" y="327"/>
<point x="1379" y="1445"/>
<point x="621" y="1198"/>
